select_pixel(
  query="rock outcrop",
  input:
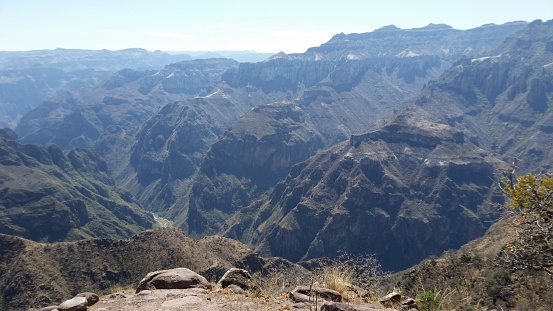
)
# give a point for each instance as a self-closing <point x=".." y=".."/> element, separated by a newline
<point x="325" y="294"/>
<point x="177" y="278"/>
<point x="74" y="304"/>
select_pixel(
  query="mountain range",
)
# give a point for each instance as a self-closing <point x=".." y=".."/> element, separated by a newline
<point x="390" y="142"/>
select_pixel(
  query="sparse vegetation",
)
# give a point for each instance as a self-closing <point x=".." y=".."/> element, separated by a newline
<point x="351" y="275"/>
<point x="428" y="301"/>
<point x="508" y="269"/>
<point x="533" y="250"/>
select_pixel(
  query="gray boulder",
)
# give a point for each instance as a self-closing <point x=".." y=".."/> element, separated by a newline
<point x="390" y="300"/>
<point x="91" y="298"/>
<point x="239" y="277"/>
<point x="298" y="297"/>
<point x="178" y="278"/>
<point x="74" y="304"/>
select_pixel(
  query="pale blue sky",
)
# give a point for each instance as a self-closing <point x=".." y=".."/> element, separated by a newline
<point x="263" y="26"/>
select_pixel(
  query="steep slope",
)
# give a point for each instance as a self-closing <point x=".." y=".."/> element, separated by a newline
<point x="354" y="80"/>
<point x="37" y="275"/>
<point x="343" y="87"/>
<point x="504" y="99"/>
<point x="413" y="188"/>
<point x="247" y="160"/>
<point x="49" y="196"/>
<point x="172" y="142"/>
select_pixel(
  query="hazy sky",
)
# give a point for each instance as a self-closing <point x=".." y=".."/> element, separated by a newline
<point x="264" y="26"/>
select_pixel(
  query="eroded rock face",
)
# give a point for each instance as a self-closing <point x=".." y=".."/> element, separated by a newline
<point x="502" y="99"/>
<point x="402" y="197"/>
<point x="250" y="158"/>
<point x="178" y="278"/>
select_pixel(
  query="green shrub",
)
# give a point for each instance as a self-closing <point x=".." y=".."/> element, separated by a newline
<point x="428" y="301"/>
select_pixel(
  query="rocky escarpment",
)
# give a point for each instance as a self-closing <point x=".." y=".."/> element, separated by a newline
<point x="354" y="80"/>
<point x="250" y="158"/>
<point x="503" y="99"/>
<point x="434" y="39"/>
<point x="402" y="197"/>
<point x="173" y="141"/>
<point x="406" y="55"/>
<point x="49" y="196"/>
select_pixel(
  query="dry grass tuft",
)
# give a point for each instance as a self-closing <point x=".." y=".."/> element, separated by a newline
<point x="338" y="277"/>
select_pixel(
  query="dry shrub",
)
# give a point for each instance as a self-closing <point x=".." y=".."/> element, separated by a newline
<point x="338" y="277"/>
<point x="350" y="273"/>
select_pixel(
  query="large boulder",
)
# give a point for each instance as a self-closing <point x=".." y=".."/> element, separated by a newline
<point x="238" y="277"/>
<point x="178" y="278"/>
<point x="74" y="304"/>
<point x="91" y="298"/>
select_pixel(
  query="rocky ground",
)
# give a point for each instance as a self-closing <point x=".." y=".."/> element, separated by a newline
<point x="183" y="289"/>
<point x="201" y="299"/>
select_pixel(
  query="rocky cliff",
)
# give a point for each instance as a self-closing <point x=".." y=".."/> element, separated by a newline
<point x="248" y="160"/>
<point x="343" y="87"/>
<point x="504" y="98"/>
<point x="409" y="190"/>
<point x="338" y="91"/>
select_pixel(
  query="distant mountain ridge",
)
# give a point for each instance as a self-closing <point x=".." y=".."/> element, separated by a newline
<point x="28" y="78"/>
